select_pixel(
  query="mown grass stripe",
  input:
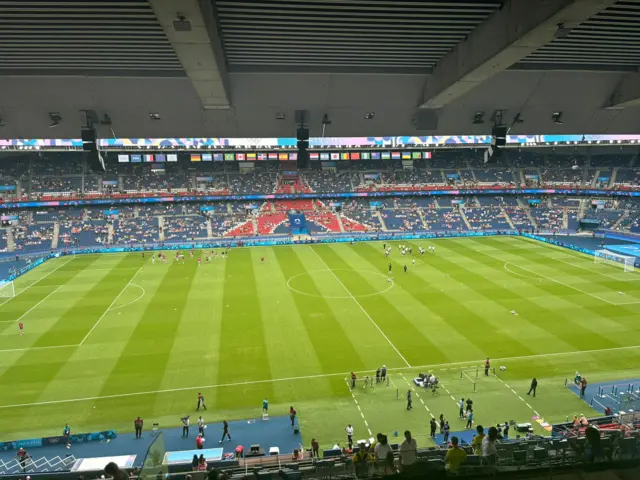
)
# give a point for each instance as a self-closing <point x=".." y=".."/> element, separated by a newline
<point x="566" y="328"/>
<point x="151" y="341"/>
<point x="326" y="333"/>
<point x="243" y="353"/>
<point x="414" y="345"/>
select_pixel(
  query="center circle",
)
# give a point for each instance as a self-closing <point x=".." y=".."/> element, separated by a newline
<point x="388" y="285"/>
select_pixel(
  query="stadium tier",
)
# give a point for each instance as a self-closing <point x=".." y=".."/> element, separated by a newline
<point x="51" y="176"/>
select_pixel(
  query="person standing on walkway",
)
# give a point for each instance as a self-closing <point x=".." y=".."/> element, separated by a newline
<point x="433" y="426"/>
<point x="185" y="426"/>
<point x="469" y="419"/>
<point x="446" y="430"/>
<point x="349" y="431"/>
<point x="225" y="431"/>
<point x="487" y="365"/>
<point x="409" y="400"/>
<point x="292" y="415"/>
<point x="461" y="405"/>
<point x="534" y="385"/>
<point x="138" y="426"/>
<point x="201" y="426"/>
<point x="66" y="433"/>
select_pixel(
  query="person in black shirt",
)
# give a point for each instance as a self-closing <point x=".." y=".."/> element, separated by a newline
<point x="433" y="426"/>
<point x="534" y="385"/>
<point x="469" y="404"/>
<point x="378" y="375"/>
<point x="405" y="269"/>
<point x="409" y="400"/>
<point x="505" y="430"/>
<point x="390" y="268"/>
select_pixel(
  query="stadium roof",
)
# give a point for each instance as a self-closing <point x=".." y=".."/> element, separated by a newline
<point x="234" y="68"/>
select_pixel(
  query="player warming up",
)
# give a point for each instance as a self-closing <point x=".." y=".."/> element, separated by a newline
<point x="21" y="327"/>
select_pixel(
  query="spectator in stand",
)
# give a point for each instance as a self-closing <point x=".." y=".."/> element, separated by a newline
<point x="489" y="450"/>
<point x="408" y="450"/>
<point x="389" y="466"/>
<point x="202" y="463"/>
<point x="112" y="470"/>
<point x="382" y="448"/>
<point x="455" y="456"/>
<point x="476" y="443"/>
<point x="593" y="447"/>
<point x="194" y="463"/>
<point x="361" y="461"/>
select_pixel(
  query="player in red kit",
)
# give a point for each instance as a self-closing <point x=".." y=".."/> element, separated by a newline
<point x="21" y="327"/>
<point x="262" y="259"/>
<point x="199" y="260"/>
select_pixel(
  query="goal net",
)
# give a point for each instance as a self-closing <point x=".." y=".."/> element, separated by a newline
<point x="7" y="290"/>
<point x="615" y="259"/>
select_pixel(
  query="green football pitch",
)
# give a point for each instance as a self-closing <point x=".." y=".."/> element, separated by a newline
<point x="110" y="337"/>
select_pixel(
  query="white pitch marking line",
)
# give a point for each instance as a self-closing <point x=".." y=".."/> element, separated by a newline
<point x="577" y="255"/>
<point x="361" y="307"/>
<point x="109" y="307"/>
<point x="528" y="405"/>
<point x="36" y="305"/>
<point x="453" y="398"/>
<point x="536" y="413"/>
<point x="521" y="398"/>
<point x="366" y="423"/>
<point x="39" y="280"/>
<point x="285" y="379"/>
<point x="514" y="391"/>
<point x="29" y="349"/>
<point x="134" y="300"/>
<point x="555" y="281"/>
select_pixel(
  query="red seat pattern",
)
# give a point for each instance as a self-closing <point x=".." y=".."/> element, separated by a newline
<point x="268" y="222"/>
<point x="352" y="226"/>
<point x="286" y="205"/>
<point x="245" y="229"/>
<point x="326" y="219"/>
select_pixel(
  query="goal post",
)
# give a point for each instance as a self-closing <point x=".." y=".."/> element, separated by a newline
<point x="7" y="290"/>
<point x="615" y="259"/>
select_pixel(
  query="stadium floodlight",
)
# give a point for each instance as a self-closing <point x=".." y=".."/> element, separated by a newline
<point x="7" y="290"/>
<point x="615" y="259"/>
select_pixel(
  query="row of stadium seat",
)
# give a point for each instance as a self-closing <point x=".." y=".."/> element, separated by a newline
<point x="44" y="229"/>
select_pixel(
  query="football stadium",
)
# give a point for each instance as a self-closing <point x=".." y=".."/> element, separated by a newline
<point x="319" y="239"/>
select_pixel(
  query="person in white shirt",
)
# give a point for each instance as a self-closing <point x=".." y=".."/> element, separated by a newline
<point x="408" y="450"/>
<point x="382" y="449"/>
<point x="489" y="443"/>
<point x="349" y="431"/>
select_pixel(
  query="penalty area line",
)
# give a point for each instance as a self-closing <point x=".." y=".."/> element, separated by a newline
<point x="111" y="306"/>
